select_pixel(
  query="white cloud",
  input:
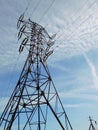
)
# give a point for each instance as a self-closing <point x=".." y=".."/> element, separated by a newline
<point x="83" y="28"/>
<point x="79" y="94"/>
<point x="78" y="105"/>
<point x="93" y="71"/>
<point x="72" y="26"/>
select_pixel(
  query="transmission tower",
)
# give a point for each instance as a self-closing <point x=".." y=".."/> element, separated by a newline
<point x="92" y="127"/>
<point x="35" y="98"/>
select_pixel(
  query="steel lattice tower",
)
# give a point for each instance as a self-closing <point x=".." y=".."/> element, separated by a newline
<point x="92" y="127"/>
<point x="35" y="97"/>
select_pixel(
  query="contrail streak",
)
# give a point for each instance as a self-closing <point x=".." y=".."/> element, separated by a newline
<point x="93" y="70"/>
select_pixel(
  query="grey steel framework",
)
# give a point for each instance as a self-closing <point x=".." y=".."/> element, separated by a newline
<point x="35" y="98"/>
<point x="92" y="127"/>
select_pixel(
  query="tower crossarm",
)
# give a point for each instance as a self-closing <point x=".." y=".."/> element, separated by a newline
<point x="36" y="39"/>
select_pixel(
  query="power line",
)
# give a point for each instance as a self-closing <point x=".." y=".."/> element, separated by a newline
<point x="76" y="29"/>
<point x="47" y="10"/>
<point x="35" y="7"/>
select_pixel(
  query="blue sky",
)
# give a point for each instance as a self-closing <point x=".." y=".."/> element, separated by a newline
<point x="74" y="63"/>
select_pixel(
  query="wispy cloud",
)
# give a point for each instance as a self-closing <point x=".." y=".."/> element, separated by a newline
<point x="78" y="105"/>
<point x="82" y="25"/>
<point x="74" y="95"/>
<point x="93" y="71"/>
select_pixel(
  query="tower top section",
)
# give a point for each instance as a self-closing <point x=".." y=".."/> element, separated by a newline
<point x="35" y="38"/>
<point x="92" y="122"/>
